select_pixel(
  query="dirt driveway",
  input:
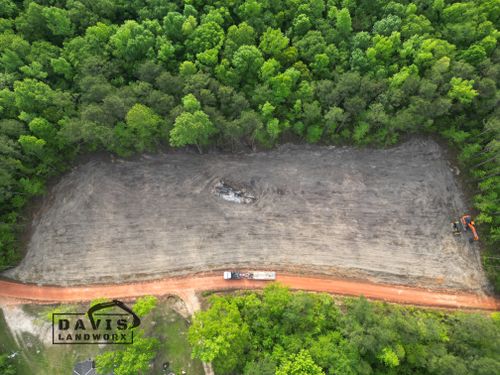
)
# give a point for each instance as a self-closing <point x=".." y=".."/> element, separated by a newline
<point x="380" y="215"/>
<point x="188" y="287"/>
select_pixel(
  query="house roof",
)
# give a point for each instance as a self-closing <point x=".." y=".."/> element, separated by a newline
<point x="85" y="368"/>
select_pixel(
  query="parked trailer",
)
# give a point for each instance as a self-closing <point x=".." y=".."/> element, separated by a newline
<point x="254" y="275"/>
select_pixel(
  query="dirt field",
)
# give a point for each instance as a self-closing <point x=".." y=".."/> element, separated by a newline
<point x="380" y="215"/>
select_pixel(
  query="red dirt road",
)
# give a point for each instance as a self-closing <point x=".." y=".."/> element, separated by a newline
<point x="12" y="292"/>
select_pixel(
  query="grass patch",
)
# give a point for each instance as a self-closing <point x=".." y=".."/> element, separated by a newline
<point x="35" y="357"/>
<point x="171" y="329"/>
<point x="38" y="358"/>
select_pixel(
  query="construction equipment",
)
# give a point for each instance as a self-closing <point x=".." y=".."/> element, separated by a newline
<point x="468" y="224"/>
<point x="254" y="275"/>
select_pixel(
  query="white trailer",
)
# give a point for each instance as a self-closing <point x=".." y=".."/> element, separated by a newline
<point x="253" y="275"/>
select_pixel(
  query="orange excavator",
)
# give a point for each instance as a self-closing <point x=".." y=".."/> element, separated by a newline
<point x="468" y="224"/>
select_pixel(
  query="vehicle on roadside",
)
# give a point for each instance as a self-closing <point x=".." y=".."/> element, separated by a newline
<point x="253" y="275"/>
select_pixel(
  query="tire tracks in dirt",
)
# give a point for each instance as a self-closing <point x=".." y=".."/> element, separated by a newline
<point x="372" y="214"/>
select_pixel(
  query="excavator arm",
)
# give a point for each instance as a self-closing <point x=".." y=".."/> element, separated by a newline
<point x="468" y="224"/>
<point x="473" y="230"/>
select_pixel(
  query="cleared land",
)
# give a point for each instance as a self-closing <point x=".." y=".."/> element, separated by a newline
<point x="382" y="215"/>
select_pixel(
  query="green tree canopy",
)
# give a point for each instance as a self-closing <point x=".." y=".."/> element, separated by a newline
<point x="461" y="90"/>
<point x="132" y="42"/>
<point x="273" y="42"/>
<point x="140" y="130"/>
<point x="299" y="364"/>
<point x="192" y="127"/>
<point x="104" y="75"/>
<point x="219" y="336"/>
<point x="279" y="332"/>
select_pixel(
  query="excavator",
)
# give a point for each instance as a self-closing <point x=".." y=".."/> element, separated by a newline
<point x="466" y="223"/>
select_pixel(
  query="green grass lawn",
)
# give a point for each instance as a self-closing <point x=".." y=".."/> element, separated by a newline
<point x="171" y="329"/>
<point x="38" y="358"/>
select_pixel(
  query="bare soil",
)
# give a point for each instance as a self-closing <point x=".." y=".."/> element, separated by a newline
<point x="187" y="288"/>
<point x="378" y="215"/>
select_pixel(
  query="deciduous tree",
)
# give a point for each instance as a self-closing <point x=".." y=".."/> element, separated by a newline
<point x="192" y="127"/>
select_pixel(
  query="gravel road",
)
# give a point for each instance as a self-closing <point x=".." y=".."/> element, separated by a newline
<point x="377" y="215"/>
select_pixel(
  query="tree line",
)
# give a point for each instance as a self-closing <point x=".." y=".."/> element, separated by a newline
<point x="277" y="332"/>
<point x="132" y="76"/>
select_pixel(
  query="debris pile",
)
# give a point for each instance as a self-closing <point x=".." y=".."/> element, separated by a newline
<point x="233" y="194"/>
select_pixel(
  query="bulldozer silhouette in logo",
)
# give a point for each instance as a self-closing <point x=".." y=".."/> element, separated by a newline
<point x="104" y="305"/>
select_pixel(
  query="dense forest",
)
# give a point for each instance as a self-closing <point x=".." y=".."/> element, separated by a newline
<point x="284" y="333"/>
<point x="130" y="76"/>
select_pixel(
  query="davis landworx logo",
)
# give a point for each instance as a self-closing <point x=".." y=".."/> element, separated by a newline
<point x="95" y="327"/>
